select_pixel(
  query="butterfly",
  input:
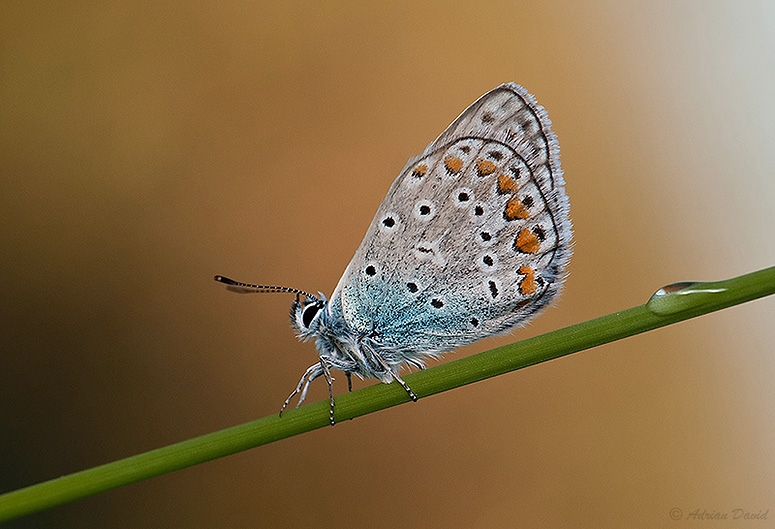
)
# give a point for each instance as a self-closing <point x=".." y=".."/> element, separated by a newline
<point x="472" y="239"/>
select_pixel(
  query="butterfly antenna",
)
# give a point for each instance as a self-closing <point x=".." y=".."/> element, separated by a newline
<point x="249" y="288"/>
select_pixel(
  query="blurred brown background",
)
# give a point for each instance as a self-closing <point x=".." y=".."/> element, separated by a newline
<point x="146" y="147"/>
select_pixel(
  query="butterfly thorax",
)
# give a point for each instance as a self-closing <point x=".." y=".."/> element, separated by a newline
<point x="338" y="345"/>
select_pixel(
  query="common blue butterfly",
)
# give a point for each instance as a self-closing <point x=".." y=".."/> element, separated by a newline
<point x="472" y="239"/>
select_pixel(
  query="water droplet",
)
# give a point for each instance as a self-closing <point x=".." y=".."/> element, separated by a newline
<point x="673" y="287"/>
<point x="677" y="297"/>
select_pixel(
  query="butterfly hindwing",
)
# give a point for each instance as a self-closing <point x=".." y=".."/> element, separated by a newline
<point x="472" y="237"/>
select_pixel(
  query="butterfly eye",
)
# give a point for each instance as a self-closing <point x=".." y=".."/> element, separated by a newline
<point x="309" y="313"/>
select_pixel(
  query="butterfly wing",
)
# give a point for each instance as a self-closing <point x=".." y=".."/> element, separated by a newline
<point x="472" y="238"/>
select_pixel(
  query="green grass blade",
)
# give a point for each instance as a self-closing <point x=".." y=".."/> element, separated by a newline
<point x="683" y="303"/>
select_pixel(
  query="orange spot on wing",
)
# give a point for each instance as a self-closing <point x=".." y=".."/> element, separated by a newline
<point x="485" y="167"/>
<point x="453" y="164"/>
<point x="515" y="209"/>
<point x="506" y="184"/>
<point x="527" y="241"/>
<point x="528" y="284"/>
<point x="420" y="171"/>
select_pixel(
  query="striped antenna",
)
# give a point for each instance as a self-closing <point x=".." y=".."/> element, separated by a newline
<point x="248" y="288"/>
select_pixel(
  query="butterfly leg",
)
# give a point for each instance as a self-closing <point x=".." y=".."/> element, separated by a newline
<point x="397" y="378"/>
<point x="349" y="381"/>
<point x="304" y="391"/>
<point x="309" y="375"/>
<point x="330" y="381"/>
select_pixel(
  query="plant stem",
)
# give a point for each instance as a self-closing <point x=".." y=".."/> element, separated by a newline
<point x="677" y="304"/>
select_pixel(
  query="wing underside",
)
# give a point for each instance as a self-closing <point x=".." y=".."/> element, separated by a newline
<point x="473" y="236"/>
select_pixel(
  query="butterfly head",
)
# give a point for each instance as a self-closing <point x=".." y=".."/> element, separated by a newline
<point x="307" y="315"/>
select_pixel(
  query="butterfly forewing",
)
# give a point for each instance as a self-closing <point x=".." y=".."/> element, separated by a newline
<point x="473" y="236"/>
